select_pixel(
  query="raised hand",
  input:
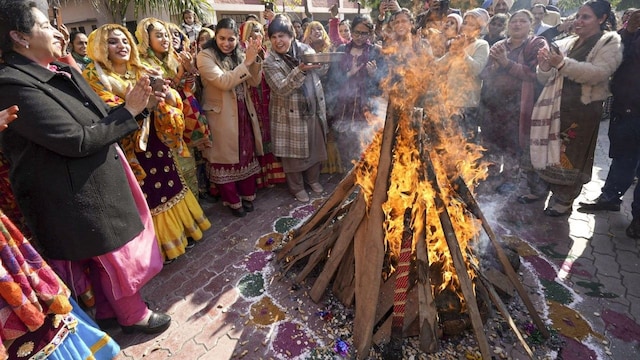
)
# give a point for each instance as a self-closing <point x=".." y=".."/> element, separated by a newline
<point x="499" y="54"/>
<point x="137" y="97"/>
<point x="7" y="116"/>
<point x="253" y="48"/>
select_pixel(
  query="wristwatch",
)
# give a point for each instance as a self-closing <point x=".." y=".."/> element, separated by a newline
<point x="143" y="115"/>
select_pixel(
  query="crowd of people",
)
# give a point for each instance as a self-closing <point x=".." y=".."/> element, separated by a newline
<point x="110" y="140"/>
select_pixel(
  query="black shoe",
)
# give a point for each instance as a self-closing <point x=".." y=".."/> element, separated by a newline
<point x="190" y="243"/>
<point x="599" y="205"/>
<point x="238" y="212"/>
<point x="247" y="205"/>
<point x="205" y="196"/>
<point x="108" y="323"/>
<point x="158" y="322"/>
<point x="555" y="213"/>
<point x="633" y="231"/>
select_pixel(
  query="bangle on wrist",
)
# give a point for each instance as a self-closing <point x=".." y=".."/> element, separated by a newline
<point x="561" y="65"/>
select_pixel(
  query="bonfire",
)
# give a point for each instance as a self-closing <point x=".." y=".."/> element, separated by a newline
<point x="397" y="235"/>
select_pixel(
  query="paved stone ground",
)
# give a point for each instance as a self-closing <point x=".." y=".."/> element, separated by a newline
<point x="228" y="300"/>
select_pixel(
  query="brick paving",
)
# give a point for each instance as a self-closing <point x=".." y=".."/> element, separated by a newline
<point x="587" y="255"/>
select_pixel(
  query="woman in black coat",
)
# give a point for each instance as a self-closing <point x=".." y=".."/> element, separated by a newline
<point x="66" y="171"/>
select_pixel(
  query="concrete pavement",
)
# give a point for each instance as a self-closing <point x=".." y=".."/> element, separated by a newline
<point x="229" y="300"/>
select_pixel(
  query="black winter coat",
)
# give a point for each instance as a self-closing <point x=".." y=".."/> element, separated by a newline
<point x="65" y="171"/>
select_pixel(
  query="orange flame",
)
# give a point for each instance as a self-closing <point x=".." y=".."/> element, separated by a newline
<point x="411" y="82"/>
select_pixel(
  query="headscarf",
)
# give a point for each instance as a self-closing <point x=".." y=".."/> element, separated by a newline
<point x="480" y="14"/>
<point x="185" y="43"/>
<point x="509" y="3"/>
<point x="458" y="20"/>
<point x="490" y="4"/>
<point x="169" y="65"/>
<point x="112" y="88"/>
<point x="98" y="50"/>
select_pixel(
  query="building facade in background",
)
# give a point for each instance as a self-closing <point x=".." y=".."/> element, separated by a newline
<point x="82" y="16"/>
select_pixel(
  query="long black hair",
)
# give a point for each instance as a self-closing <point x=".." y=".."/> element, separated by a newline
<point x="237" y="56"/>
<point x="601" y="8"/>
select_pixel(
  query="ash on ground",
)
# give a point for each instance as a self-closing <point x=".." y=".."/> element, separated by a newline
<point x="338" y="331"/>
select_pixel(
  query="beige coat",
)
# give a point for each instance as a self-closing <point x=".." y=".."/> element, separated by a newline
<point x="219" y="102"/>
<point x="594" y="73"/>
<point x="463" y="74"/>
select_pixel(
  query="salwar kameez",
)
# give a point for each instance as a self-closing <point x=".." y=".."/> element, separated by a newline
<point x="579" y="124"/>
<point x="271" y="171"/>
<point x="236" y="182"/>
<point x="298" y="168"/>
<point x="175" y="210"/>
<point x="115" y="279"/>
<point x="38" y="318"/>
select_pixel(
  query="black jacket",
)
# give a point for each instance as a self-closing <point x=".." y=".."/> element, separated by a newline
<point x="65" y="171"/>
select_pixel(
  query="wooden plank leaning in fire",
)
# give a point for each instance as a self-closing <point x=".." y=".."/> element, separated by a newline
<point x="495" y="298"/>
<point x="473" y="206"/>
<point x="428" y="313"/>
<point x="344" y="188"/>
<point x="458" y="261"/>
<point x="371" y="248"/>
<point x="347" y="231"/>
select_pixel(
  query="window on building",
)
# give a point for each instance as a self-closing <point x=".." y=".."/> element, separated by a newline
<point x="131" y="26"/>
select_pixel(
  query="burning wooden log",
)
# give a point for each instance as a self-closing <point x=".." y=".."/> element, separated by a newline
<point x="467" y="197"/>
<point x="458" y="261"/>
<point x="428" y="313"/>
<point x="365" y="234"/>
<point x="370" y="248"/>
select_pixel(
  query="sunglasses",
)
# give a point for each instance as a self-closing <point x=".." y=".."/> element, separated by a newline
<point x="360" y="33"/>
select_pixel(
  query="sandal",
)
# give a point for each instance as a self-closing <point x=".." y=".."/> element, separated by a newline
<point x="528" y="198"/>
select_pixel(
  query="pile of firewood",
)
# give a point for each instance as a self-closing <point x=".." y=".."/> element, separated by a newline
<point x="395" y="298"/>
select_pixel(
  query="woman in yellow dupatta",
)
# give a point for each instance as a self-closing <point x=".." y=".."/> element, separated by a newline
<point x="196" y="133"/>
<point x="156" y="52"/>
<point x="150" y="150"/>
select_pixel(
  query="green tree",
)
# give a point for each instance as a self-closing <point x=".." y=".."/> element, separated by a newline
<point x="118" y="8"/>
<point x="616" y="4"/>
<point x="625" y="4"/>
<point x="417" y="6"/>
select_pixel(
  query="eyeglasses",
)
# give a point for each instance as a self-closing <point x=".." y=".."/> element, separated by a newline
<point x="360" y="33"/>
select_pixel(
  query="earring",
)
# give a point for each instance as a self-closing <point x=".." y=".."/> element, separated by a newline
<point x="27" y="45"/>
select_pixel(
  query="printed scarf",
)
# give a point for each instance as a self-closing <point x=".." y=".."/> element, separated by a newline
<point x="545" y="142"/>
